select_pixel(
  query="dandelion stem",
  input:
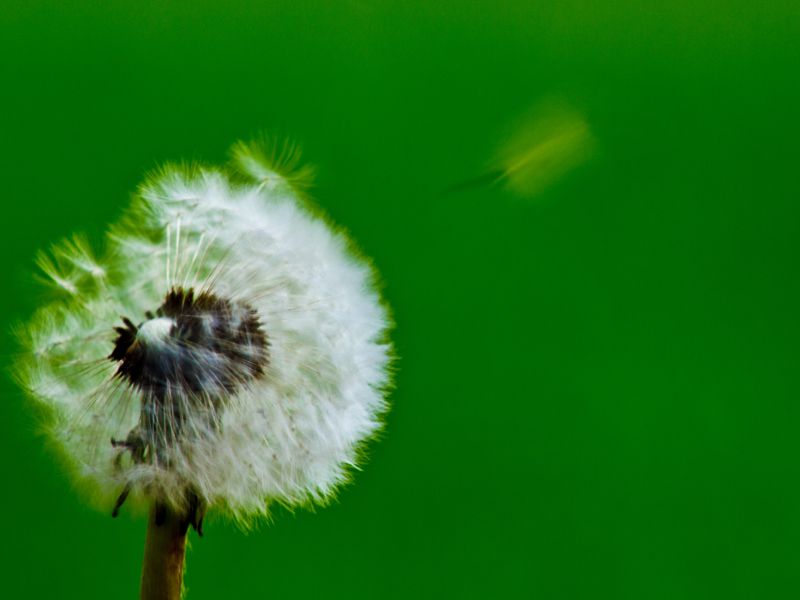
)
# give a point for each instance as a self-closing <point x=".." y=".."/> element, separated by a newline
<point x="164" y="552"/>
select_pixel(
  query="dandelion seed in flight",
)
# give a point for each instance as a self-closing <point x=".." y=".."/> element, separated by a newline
<point x="542" y="147"/>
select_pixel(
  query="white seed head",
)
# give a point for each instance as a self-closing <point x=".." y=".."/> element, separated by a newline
<point x="253" y="359"/>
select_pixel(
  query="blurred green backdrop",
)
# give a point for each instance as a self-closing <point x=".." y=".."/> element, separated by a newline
<point x="598" y="390"/>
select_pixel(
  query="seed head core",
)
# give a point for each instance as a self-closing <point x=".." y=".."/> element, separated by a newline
<point x="193" y="345"/>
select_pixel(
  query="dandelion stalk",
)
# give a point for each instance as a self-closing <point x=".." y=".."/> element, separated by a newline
<point x="164" y="555"/>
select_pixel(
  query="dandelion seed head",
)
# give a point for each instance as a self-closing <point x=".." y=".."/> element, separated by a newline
<point x="230" y="342"/>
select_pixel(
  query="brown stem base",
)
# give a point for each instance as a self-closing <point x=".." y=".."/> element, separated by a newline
<point x="164" y="552"/>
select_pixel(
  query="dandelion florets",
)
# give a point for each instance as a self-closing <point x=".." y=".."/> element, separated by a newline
<point x="229" y="350"/>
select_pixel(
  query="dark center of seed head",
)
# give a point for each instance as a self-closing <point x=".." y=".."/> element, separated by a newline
<point x="192" y="346"/>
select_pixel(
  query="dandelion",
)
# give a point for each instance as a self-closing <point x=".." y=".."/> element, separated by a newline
<point x="228" y="352"/>
<point x="542" y="147"/>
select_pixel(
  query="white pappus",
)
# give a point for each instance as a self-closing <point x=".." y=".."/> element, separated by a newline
<point x="229" y="350"/>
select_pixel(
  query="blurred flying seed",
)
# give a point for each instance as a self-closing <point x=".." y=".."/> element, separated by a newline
<point x="549" y="141"/>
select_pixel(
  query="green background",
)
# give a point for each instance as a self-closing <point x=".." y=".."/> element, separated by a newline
<point x="597" y="395"/>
